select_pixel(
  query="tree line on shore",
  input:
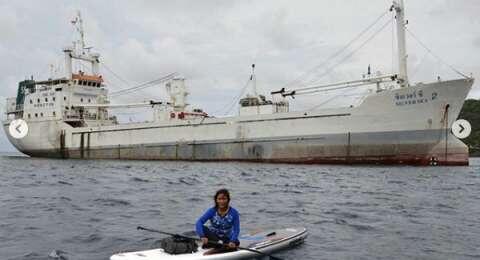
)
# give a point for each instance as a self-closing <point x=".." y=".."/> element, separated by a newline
<point x="471" y="112"/>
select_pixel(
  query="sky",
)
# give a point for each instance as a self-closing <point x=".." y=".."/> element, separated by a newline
<point x="212" y="43"/>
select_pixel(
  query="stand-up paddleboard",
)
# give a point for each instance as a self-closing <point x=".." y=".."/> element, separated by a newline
<point x="267" y="241"/>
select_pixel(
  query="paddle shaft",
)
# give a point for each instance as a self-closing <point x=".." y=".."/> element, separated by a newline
<point x="213" y="243"/>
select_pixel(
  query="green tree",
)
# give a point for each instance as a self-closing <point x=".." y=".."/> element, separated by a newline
<point x="471" y="112"/>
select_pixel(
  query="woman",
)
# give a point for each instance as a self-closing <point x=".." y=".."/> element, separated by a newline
<point x="224" y="222"/>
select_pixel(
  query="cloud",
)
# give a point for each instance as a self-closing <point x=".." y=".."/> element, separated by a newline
<point x="476" y="42"/>
<point x="8" y="24"/>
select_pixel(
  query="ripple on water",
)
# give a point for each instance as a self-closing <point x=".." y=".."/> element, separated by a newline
<point x="31" y="256"/>
<point x="195" y="199"/>
<point x="361" y="227"/>
<point x="138" y="179"/>
<point x="188" y="180"/>
<point x="112" y="202"/>
<point x="64" y="183"/>
<point x="443" y="206"/>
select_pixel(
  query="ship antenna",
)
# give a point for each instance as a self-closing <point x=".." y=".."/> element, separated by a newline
<point x="253" y="78"/>
<point x="78" y="24"/>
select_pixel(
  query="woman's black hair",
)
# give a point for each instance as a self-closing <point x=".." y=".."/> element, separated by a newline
<point x="221" y="191"/>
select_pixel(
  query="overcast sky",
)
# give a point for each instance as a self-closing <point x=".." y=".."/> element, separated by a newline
<point x="213" y="43"/>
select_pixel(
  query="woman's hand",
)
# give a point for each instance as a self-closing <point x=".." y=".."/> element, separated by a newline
<point x="204" y="241"/>
<point x="232" y="245"/>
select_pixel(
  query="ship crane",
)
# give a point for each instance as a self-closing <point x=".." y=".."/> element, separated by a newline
<point x="129" y="105"/>
<point x="336" y="86"/>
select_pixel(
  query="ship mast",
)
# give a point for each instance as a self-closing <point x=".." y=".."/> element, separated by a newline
<point x="254" y="81"/>
<point x="82" y="53"/>
<point x="402" y="50"/>
<point x="78" y="23"/>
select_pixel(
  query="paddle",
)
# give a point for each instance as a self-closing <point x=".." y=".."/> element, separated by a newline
<point x="213" y="243"/>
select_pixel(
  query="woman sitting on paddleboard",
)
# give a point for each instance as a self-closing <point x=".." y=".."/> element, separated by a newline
<point x="224" y="222"/>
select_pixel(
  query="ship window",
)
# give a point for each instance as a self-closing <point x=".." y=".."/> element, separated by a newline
<point x="89" y="100"/>
<point x="89" y="84"/>
<point x="38" y="100"/>
<point x="65" y="98"/>
<point x="66" y="108"/>
<point x="54" y="114"/>
<point x="29" y="116"/>
<point x="54" y="99"/>
<point x="31" y="101"/>
<point x="81" y="100"/>
<point x="36" y="115"/>
<point x="46" y="99"/>
<point x="41" y="114"/>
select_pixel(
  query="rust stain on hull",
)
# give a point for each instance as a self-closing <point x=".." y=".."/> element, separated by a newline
<point x="414" y="160"/>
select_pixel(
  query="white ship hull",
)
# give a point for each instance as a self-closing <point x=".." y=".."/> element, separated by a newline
<point x="402" y="126"/>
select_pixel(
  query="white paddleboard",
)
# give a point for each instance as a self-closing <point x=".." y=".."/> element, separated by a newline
<point x="266" y="241"/>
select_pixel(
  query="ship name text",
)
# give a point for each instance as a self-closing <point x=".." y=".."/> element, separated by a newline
<point x="414" y="97"/>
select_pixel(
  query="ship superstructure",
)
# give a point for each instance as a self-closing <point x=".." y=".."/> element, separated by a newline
<point x="399" y="123"/>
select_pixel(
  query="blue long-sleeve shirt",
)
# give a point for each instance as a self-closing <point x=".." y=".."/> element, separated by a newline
<point x="223" y="227"/>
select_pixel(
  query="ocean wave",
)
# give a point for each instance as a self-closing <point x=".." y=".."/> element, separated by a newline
<point x="138" y="179"/>
<point x="112" y="202"/>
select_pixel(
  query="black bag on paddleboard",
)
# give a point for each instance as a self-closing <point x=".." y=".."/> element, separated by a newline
<point x="178" y="245"/>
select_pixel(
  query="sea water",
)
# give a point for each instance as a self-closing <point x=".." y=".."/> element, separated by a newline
<point x="89" y="209"/>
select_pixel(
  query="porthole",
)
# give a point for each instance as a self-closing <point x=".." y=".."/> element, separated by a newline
<point x="46" y="99"/>
<point x="36" y="114"/>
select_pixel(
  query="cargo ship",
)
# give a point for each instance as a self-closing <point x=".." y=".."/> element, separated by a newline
<point x="397" y="123"/>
